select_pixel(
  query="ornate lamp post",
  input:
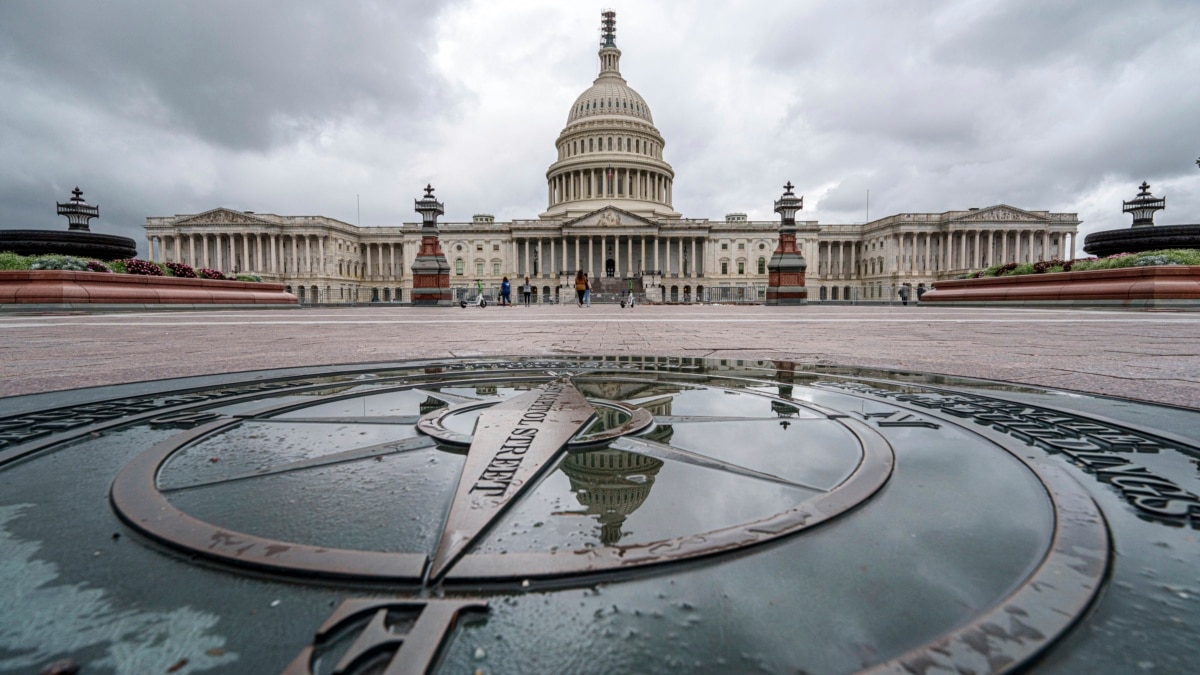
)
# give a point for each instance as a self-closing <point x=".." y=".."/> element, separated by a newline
<point x="785" y="271"/>
<point x="431" y="272"/>
<point x="78" y="212"/>
<point x="1143" y="206"/>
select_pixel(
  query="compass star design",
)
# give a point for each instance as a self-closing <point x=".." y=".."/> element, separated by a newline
<point x="511" y="448"/>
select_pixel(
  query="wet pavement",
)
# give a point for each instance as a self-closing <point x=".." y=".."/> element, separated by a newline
<point x="1149" y="356"/>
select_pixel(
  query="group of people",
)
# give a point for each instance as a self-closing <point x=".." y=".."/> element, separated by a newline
<point x="583" y="291"/>
<point x="506" y="292"/>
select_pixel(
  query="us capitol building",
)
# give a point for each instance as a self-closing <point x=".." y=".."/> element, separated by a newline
<point x="609" y="212"/>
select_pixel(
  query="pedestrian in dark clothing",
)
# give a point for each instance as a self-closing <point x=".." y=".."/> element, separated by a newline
<point x="505" y="293"/>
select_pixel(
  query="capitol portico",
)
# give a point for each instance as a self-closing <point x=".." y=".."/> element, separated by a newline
<point x="609" y="213"/>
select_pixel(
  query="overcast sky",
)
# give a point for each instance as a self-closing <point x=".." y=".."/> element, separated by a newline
<point x="308" y="107"/>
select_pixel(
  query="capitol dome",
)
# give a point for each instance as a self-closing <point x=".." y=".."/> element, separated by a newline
<point x="609" y="96"/>
<point x="610" y="152"/>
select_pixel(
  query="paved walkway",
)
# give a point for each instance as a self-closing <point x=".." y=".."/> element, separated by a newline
<point x="1140" y="355"/>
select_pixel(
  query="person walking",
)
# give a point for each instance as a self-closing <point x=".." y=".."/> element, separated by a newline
<point x="587" y="290"/>
<point x="527" y="289"/>
<point x="904" y="294"/>
<point x="505" y="293"/>
<point x="580" y="287"/>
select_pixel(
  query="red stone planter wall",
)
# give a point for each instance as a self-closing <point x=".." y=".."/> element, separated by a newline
<point x="24" y="290"/>
<point x="1162" y="287"/>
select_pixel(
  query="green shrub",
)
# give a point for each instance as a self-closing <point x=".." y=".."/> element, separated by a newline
<point x="66" y="263"/>
<point x="249" y="277"/>
<point x="117" y="266"/>
<point x="12" y="261"/>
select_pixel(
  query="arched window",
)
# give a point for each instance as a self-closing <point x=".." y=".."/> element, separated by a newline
<point x="458" y="267"/>
<point x="478" y="268"/>
<point x="762" y="265"/>
<point x="618" y="143"/>
<point x="741" y="267"/>
<point x="637" y="145"/>
<point x="610" y="143"/>
<point x="724" y="267"/>
<point x="591" y="145"/>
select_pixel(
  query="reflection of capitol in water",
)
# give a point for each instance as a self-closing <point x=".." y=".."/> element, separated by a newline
<point x="611" y="484"/>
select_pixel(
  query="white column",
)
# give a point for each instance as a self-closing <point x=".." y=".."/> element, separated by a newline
<point x="591" y="264"/>
<point x="617" y="255"/>
<point x="541" y="259"/>
<point x="629" y="256"/>
<point x="658" y="266"/>
<point x="643" y="260"/>
<point x="577" y="265"/>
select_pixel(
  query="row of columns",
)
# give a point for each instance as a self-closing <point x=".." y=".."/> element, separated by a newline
<point x="650" y="186"/>
<point x="273" y="253"/>
<point x="931" y="252"/>
<point x="631" y="254"/>
<point x="900" y="253"/>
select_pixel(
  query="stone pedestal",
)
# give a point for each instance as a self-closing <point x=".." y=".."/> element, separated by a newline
<point x="431" y="275"/>
<point x="785" y="273"/>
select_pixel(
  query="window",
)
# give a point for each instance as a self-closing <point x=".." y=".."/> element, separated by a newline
<point x="618" y="143"/>
<point x="458" y="267"/>
<point x="478" y="247"/>
<point x="495" y="269"/>
<point x="724" y="267"/>
<point x="478" y="268"/>
<point x="762" y="265"/>
<point x="724" y="246"/>
<point x="495" y="247"/>
<point x="591" y="145"/>
<point x="741" y="246"/>
<point x="610" y="142"/>
<point x="741" y="267"/>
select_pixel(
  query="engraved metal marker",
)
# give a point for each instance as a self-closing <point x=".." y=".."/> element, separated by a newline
<point x="514" y="442"/>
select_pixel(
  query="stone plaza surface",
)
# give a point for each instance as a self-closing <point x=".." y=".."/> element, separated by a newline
<point x="1149" y="356"/>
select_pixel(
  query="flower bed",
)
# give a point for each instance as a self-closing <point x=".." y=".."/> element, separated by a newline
<point x="70" y="290"/>
<point x="1134" y="287"/>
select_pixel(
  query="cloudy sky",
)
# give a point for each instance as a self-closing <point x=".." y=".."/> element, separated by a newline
<point x="308" y="107"/>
